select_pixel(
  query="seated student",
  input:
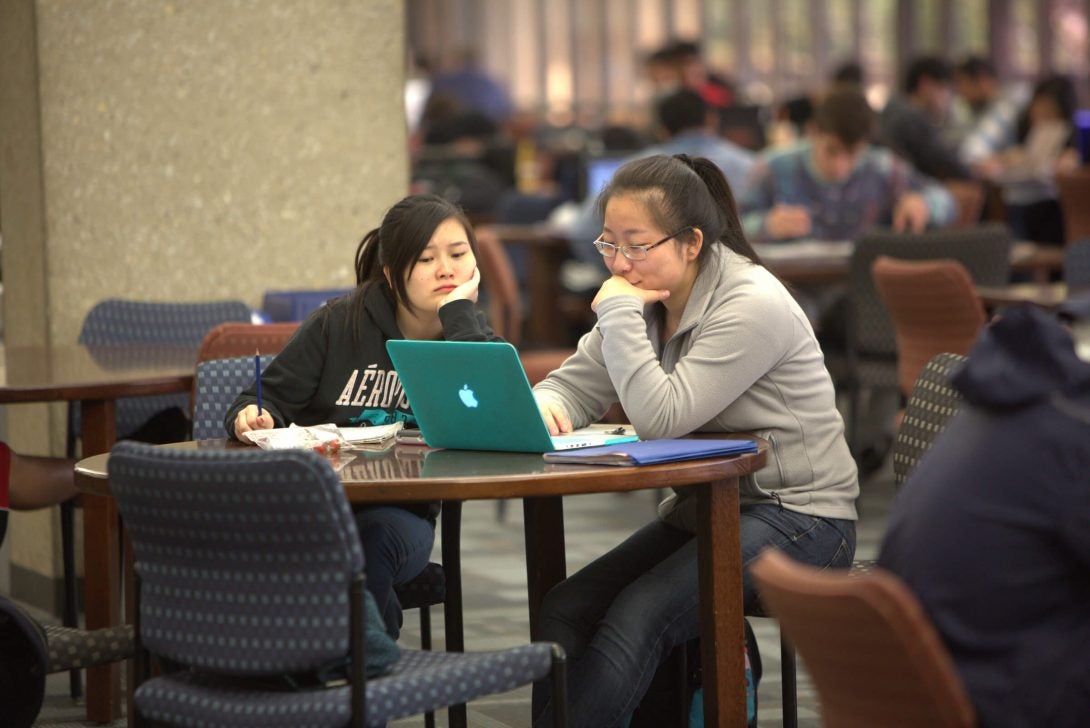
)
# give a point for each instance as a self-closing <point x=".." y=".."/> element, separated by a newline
<point x="693" y="335"/>
<point x="912" y="125"/>
<point x="1024" y="159"/>
<point x="28" y="482"/>
<point x="982" y="100"/>
<point x="992" y="529"/>
<point x="835" y="185"/>
<point x="416" y="278"/>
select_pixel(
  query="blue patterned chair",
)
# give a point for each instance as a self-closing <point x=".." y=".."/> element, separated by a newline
<point x="115" y="321"/>
<point x="219" y="381"/>
<point x="249" y="568"/>
<point x="1077" y="264"/>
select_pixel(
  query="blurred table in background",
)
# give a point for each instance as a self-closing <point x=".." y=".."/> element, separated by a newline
<point x="546" y="248"/>
<point x="1048" y="296"/>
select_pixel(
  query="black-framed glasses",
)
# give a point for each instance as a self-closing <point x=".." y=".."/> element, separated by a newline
<point x="634" y="252"/>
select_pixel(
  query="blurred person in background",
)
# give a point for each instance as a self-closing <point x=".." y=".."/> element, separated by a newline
<point x="911" y="124"/>
<point x="455" y="163"/>
<point x="680" y="64"/>
<point x="472" y="88"/>
<point x="981" y="96"/>
<point x="1023" y="160"/>
<point x="835" y="185"/>
<point x="848" y="72"/>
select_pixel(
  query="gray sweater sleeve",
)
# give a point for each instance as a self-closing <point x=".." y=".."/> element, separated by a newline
<point x="735" y="343"/>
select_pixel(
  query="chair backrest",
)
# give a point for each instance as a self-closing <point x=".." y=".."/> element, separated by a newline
<point x="984" y="250"/>
<point x="874" y="657"/>
<point x="245" y="557"/>
<point x="931" y="404"/>
<point x="1077" y="262"/>
<point x="933" y="307"/>
<point x="238" y="339"/>
<point x="116" y="321"/>
<point x="1074" y="188"/>
<point x="500" y="285"/>
<point x="217" y="383"/>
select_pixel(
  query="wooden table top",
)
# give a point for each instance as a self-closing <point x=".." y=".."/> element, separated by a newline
<point x="1045" y="295"/>
<point x="403" y="473"/>
<point x="72" y="372"/>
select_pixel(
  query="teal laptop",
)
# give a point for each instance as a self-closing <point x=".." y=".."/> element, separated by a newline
<point x="469" y="395"/>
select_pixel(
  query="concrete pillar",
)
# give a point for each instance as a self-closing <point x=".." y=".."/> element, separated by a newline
<point x="184" y="151"/>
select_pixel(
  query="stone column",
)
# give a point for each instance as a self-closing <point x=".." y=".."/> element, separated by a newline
<point x="183" y="151"/>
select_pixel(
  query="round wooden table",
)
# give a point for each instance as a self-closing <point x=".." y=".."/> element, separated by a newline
<point x="405" y="473"/>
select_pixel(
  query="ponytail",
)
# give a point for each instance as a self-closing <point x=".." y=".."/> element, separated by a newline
<point x="733" y="236"/>
<point x="367" y="260"/>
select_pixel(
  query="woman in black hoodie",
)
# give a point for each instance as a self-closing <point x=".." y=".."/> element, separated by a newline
<point x="416" y="278"/>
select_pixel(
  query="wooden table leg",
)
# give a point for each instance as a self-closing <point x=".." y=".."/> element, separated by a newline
<point x="722" y="639"/>
<point x="543" y="521"/>
<point x="102" y="600"/>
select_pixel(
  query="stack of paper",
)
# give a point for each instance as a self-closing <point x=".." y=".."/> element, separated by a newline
<point x="321" y="437"/>
<point x="368" y="435"/>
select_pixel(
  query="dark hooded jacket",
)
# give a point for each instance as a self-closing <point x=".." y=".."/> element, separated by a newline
<point x="992" y="529"/>
<point x="330" y="373"/>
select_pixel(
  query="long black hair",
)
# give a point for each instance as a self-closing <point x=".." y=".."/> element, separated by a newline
<point x="683" y="191"/>
<point x="1057" y="87"/>
<point x="396" y="244"/>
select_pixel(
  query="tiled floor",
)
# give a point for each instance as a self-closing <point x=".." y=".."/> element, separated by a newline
<point x="495" y="597"/>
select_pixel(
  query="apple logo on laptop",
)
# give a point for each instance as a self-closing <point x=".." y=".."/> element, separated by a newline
<point x="468" y="398"/>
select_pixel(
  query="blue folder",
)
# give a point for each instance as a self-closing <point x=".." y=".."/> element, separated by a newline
<point x="652" y="452"/>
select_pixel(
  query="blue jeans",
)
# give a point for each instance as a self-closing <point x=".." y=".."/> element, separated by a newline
<point x="619" y="617"/>
<point x="396" y="547"/>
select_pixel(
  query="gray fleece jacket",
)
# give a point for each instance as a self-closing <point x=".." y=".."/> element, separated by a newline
<point x="744" y="359"/>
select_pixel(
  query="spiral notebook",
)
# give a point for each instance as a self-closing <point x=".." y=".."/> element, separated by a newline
<point x="653" y="452"/>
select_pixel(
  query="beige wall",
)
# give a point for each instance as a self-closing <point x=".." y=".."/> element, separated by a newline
<point x="186" y="151"/>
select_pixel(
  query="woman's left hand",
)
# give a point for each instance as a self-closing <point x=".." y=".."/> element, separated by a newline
<point x="618" y="286"/>
<point x="467" y="290"/>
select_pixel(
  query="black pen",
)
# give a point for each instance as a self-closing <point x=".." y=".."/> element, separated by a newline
<point x="615" y="431"/>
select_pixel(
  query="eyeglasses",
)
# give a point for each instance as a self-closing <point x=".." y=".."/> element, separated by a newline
<point x="634" y="252"/>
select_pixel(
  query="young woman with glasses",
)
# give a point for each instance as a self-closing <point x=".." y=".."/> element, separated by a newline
<point x="693" y="335"/>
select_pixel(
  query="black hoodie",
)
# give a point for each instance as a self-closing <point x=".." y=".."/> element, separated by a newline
<point x="992" y="529"/>
<point x="328" y="373"/>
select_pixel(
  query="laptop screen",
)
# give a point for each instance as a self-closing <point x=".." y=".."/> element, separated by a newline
<point x="600" y="171"/>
